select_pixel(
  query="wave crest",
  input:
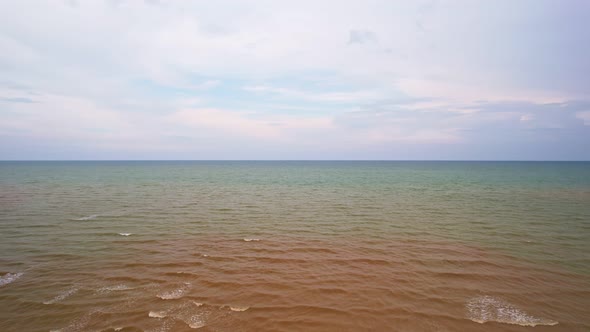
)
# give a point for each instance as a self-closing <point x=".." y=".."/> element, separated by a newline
<point x="9" y="277"/>
<point x="177" y="293"/>
<point x="157" y="314"/>
<point x="92" y="216"/>
<point x="108" y="289"/>
<point x="62" y="296"/>
<point x="238" y="308"/>
<point x="486" y="308"/>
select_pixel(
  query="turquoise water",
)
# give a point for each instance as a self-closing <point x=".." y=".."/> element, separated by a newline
<point x="71" y="215"/>
<point x="537" y="209"/>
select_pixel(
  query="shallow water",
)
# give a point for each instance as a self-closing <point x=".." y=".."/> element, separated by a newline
<point x="294" y="246"/>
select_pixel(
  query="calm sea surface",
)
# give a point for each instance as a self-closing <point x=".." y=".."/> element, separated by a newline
<point x="294" y="246"/>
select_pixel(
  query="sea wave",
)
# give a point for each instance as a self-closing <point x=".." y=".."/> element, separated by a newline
<point x="92" y="216"/>
<point x="185" y="311"/>
<point x="196" y="322"/>
<point x="9" y="277"/>
<point x="62" y="296"/>
<point x="125" y="234"/>
<point x="238" y="308"/>
<point x="108" y="289"/>
<point x="487" y="308"/>
<point x="79" y="324"/>
<point x="249" y="240"/>
<point x="157" y="314"/>
<point x="176" y="293"/>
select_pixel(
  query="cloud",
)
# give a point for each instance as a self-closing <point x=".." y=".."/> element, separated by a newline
<point x="17" y="100"/>
<point x="332" y="96"/>
<point x="584" y="116"/>
<point x="228" y="123"/>
<point x="362" y="37"/>
<point x="351" y="79"/>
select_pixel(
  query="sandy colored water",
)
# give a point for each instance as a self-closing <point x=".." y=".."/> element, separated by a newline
<point x="286" y="283"/>
<point x="294" y="247"/>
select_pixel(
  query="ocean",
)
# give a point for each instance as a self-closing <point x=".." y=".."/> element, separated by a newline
<point x="294" y="246"/>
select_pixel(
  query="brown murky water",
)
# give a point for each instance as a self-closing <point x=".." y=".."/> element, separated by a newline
<point x="100" y="250"/>
<point x="216" y="283"/>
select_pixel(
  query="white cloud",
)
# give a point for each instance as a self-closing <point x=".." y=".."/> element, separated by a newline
<point x="339" y="96"/>
<point x="584" y="116"/>
<point x="362" y="37"/>
<point x="166" y="41"/>
<point x="229" y="123"/>
<point x="201" y="64"/>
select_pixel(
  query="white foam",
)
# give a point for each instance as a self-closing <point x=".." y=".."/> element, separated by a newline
<point x="177" y="293"/>
<point x="238" y="308"/>
<point x="9" y="277"/>
<point x="108" y="289"/>
<point x="166" y="326"/>
<point x="125" y="234"/>
<point x="486" y="308"/>
<point x="196" y="322"/>
<point x="157" y="314"/>
<point x="62" y="296"/>
<point x="194" y="317"/>
<point x="249" y="240"/>
<point x="92" y="216"/>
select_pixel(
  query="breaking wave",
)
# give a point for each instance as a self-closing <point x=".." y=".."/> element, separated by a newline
<point x="486" y="308"/>
<point x="9" y="277"/>
<point x="176" y="293"/>
<point x="62" y="296"/>
<point x="92" y="216"/>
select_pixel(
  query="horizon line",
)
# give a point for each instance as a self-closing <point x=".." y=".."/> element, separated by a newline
<point x="327" y="160"/>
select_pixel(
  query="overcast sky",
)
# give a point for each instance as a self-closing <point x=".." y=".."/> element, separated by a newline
<point x="123" y="79"/>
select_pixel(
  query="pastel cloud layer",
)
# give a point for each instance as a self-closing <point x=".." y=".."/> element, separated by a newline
<point x="125" y="79"/>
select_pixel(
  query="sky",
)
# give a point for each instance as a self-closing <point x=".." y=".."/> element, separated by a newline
<point x="321" y="79"/>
